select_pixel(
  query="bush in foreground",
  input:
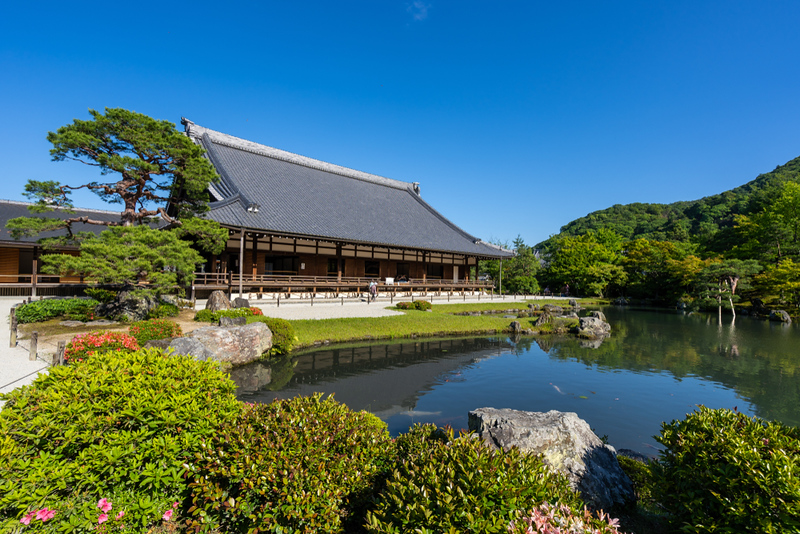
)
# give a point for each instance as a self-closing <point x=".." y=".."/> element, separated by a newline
<point x="723" y="471"/>
<point x="447" y="484"/>
<point x="149" y="330"/>
<point x="299" y="465"/>
<point x="119" y="428"/>
<point x="43" y="310"/>
<point x="90" y="344"/>
<point x="421" y="305"/>
<point x="283" y="335"/>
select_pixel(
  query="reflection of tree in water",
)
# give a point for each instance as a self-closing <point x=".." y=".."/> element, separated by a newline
<point x="756" y="358"/>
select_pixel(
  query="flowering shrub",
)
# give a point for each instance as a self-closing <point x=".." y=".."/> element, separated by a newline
<point x="446" y="484"/>
<point x="145" y="331"/>
<point x="561" y="519"/>
<point x="89" y="344"/>
<point x="305" y="464"/>
<point x="256" y="311"/>
<point x="119" y="429"/>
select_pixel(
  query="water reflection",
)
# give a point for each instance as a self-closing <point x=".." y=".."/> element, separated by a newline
<point x="656" y="366"/>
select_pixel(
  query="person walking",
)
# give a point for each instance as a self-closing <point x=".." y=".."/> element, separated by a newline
<point x="373" y="290"/>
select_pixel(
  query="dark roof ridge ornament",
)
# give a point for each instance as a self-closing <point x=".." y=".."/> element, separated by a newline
<point x="415" y="187"/>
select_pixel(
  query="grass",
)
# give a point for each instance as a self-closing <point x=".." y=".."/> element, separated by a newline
<point x="438" y="322"/>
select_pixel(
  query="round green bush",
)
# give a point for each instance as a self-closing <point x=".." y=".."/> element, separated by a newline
<point x="164" y="310"/>
<point x="283" y="336"/>
<point x="145" y="331"/>
<point x="118" y="427"/>
<point x="723" y="471"/>
<point x="42" y="310"/>
<point x="207" y="316"/>
<point x="448" y="484"/>
<point x="305" y="464"/>
<point x="422" y="305"/>
<point x="103" y="296"/>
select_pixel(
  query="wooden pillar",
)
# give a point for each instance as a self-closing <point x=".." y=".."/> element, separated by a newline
<point x="424" y="269"/>
<point x="241" y="259"/>
<point x="339" y="263"/>
<point x="255" y="256"/>
<point x="34" y="271"/>
<point x="34" y="346"/>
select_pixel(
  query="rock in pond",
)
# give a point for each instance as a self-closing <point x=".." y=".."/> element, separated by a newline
<point x="592" y="328"/>
<point x="235" y="345"/>
<point x="780" y="315"/>
<point x="566" y="443"/>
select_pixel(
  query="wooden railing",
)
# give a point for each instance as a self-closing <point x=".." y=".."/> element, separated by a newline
<point x="274" y="280"/>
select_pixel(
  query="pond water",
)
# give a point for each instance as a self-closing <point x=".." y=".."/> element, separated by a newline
<point x="657" y="366"/>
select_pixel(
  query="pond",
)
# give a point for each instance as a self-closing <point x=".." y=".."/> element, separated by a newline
<point x="657" y="366"/>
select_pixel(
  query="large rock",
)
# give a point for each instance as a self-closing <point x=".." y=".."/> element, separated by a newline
<point x="780" y="315"/>
<point x="239" y="302"/>
<point x="592" y="328"/>
<point x="236" y="345"/>
<point x="552" y="309"/>
<point x="621" y="301"/>
<point x="128" y="306"/>
<point x="566" y="443"/>
<point x="600" y="315"/>
<point x="515" y="327"/>
<point x="218" y="301"/>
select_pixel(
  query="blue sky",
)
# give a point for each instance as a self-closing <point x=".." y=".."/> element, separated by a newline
<point x="516" y="117"/>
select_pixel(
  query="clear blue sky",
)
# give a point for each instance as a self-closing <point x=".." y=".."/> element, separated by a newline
<point x="516" y="116"/>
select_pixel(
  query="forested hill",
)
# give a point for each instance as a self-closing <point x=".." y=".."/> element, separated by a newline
<point x="705" y="221"/>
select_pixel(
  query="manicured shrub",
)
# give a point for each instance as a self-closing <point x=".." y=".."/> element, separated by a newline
<point x="118" y="427"/>
<point x="283" y="336"/>
<point x="561" y="519"/>
<point x="299" y="465"/>
<point x="444" y="484"/>
<point x="145" y="331"/>
<point x="207" y="316"/>
<point x="90" y="344"/>
<point x="103" y="296"/>
<point x="421" y="305"/>
<point x="164" y="310"/>
<point x="43" y="310"/>
<point x="723" y="471"/>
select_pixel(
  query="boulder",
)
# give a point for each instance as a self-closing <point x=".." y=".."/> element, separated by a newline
<point x="599" y="315"/>
<point x="239" y="302"/>
<point x="236" y="345"/>
<point x="232" y="321"/>
<point x="553" y="309"/>
<point x="516" y="327"/>
<point x="621" y="301"/>
<point x="574" y="303"/>
<point x="566" y="443"/>
<point x="128" y="306"/>
<point x="218" y="301"/>
<point x="183" y="346"/>
<point x="592" y="328"/>
<point x="780" y="315"/>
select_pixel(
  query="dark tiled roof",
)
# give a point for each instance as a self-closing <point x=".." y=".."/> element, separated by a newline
<point x="10" y="209"/>
<point x="306" y="197"/>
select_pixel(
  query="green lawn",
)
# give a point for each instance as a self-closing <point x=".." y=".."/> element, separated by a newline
<point x="437" y="322"/>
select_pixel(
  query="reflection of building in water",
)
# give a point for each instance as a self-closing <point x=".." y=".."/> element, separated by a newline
<point x="383" y="379"/>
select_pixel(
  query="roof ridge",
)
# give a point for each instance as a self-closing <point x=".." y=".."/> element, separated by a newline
<point x="59" y="208"/>
<point x="197" y="132"/>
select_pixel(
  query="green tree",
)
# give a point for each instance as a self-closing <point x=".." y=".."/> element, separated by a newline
<point x="519" y="272"/>
<point x="589" y="263"/>
<point x="720" y="280"/>
<point x="649" y="269"/>
<point x="152" y="167"/>
<point x="130" y="256"/>
<point x="782" y="280"/>
<point x="772" y="233"/>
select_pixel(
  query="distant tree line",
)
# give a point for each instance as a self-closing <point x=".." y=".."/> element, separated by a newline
<point x="705" y="253"/>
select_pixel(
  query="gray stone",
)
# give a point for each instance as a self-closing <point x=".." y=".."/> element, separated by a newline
<point x="128" y="306"/>
<point x="592" y="328"/>
<point x="553" y="309"/>
<point x="101" y="322"/>
<point x="574" y="303"/>
<point x="566" y="443"/>
<point x="182" y="346"/>
<point x="509" y="317"/>
<point x="516" y="327"/>
<point x="236" y="345"/>
<point x="239" y="302"/>
<point x="780" y="315"/>
<point x="71" y="324"/>
<point x="232" y="321"/>
<point x="621" y="301"/>
<point x="599" y="315"/>
<point x="218" y="301"/>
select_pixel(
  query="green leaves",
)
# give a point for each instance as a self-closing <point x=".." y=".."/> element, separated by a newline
<point x="42" y="310"/>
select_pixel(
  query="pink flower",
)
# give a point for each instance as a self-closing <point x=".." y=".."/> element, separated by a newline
<point x="45" y="515"/>
<point x="175" y="504"/>
<point x="27" y="519"/>
<point x="167" y="515"/>
<point x="102" y="519"/>
<point x="104" y="505"/>
<point x="120" y="515"/>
